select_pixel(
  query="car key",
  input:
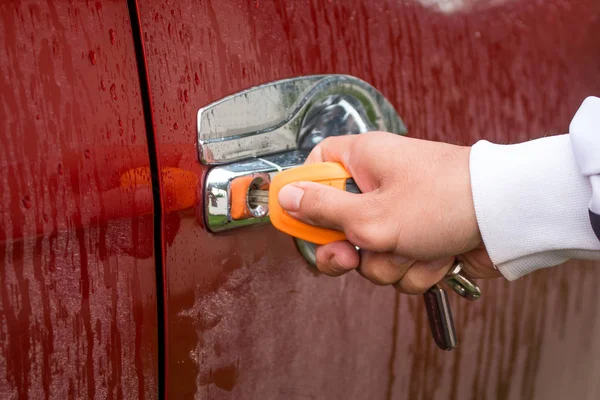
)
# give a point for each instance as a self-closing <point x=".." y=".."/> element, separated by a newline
<point x="327" y="173"/>
<point x="440" y="318"/>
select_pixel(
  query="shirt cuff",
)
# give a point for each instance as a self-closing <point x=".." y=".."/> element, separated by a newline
<point x="531" y="204"/>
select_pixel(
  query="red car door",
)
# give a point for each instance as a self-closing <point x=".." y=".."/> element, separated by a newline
<point x="78" y="316"/>
<point x="246" y="318"/>
<point x="102" y="202"/>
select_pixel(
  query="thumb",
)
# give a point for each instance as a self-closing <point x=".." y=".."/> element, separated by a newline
<point x="322" y="205"/>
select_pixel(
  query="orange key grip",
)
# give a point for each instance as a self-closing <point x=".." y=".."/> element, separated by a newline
<point x="327" y="173"/>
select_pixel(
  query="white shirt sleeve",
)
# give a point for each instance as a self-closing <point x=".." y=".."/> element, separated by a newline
<point x="532" y="199"/>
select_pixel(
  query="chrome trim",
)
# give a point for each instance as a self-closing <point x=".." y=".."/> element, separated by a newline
<point x="217" y="193"/>
<point x="281" y="115"/>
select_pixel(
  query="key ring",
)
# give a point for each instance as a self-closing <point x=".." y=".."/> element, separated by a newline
<point x="461" y="284"/>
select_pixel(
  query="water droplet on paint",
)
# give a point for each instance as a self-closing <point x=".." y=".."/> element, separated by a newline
<point x="113" y="92"/>
<point x="26" y="200"/>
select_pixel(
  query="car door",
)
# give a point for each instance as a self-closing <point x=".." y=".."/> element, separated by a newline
<point x="78" y="316"/>
<point x="247" y="318"/>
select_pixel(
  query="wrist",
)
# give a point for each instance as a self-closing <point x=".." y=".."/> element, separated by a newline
<point x="467" y="217"/>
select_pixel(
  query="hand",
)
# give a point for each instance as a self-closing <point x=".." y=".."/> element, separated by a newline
<point x="414" y="216"/>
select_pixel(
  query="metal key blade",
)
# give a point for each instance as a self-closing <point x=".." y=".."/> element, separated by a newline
<point x="440" y="318"/>
<point x="258" y="197"/>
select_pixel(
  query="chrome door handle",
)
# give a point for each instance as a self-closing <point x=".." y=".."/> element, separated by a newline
<point x="263" y="130"/>
<point x="226" y="189"/>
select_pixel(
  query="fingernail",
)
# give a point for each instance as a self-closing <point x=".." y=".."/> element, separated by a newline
<point x="336" y="266"/>
<point x="290" y="197"/>
<point x="399" y="260"/>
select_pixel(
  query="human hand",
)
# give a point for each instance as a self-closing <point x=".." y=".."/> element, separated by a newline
<point x="414" y="216"/>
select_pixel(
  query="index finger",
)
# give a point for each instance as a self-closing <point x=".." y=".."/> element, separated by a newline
<point x="334" y="148"/>
<point x="357" y="153"/>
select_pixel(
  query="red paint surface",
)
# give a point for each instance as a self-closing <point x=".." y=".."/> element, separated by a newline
<point x="248" y="319"/>
<point x="77" y="270"/>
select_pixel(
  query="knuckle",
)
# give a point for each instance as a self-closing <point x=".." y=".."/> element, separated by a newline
<point x="318" y="153"/>
<point x="380" y="275"/>
<point x="322" y="148"/>
<point x="313" y="202"/>
<point x="375" y="135"/>
<point x="371" y="235"/>
<point x="358" y="146"/>
<point x="326" y="142"/>
<point x="325" y="205"/>
<point x="410" y="285"/>
<point x="358" y="236"/>
<point x="315" y="156"/>
<point x="374" y="138"/>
